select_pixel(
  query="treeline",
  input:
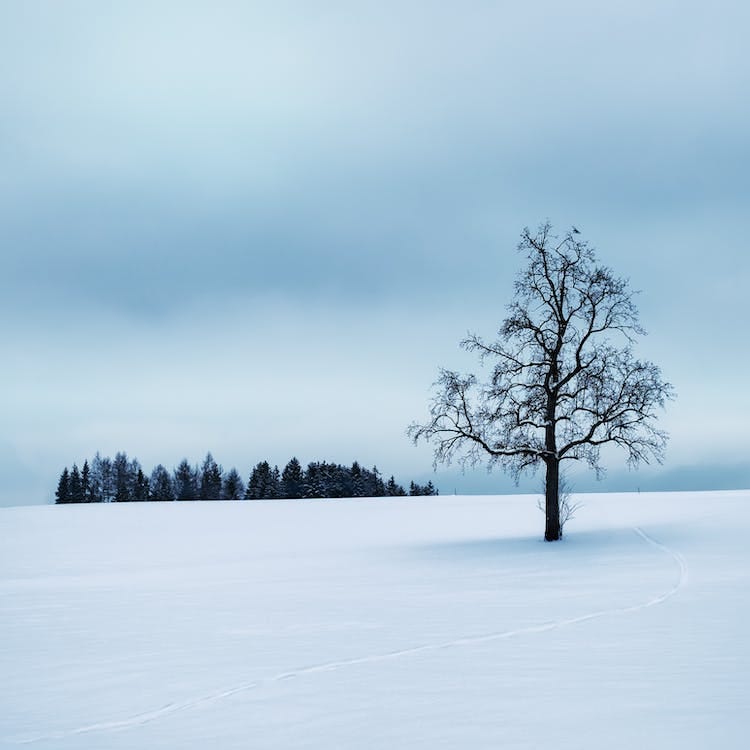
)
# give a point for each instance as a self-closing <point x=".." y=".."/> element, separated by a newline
<point x="122" y="480"/>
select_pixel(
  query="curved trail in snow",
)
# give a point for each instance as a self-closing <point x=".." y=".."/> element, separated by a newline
<point x="172" y="708"/>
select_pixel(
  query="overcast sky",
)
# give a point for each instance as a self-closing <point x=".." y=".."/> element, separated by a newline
<point x="258" y="228"/>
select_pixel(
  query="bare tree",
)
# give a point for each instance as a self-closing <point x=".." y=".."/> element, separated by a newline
<point x="563" y="382"/>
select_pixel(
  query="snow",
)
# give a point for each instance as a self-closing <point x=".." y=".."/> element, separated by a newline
<point x="401" y="623"/>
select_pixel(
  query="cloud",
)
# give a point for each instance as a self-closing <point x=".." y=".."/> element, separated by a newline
<point x="306" y="206"/>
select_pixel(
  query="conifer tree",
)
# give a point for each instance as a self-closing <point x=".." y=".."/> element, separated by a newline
<point x="377" y="485"/>
<point x="62" y="494"/>
<point x="337" y="481"/>
<point x="140" y="488"/>
<point x="161" y="486"/>
<point x="358" y="483"/>
<point x="264" y="483"/>
<point x="292" y="479"/>
<point x="417" y="490"/>
<point x="122" y="477"/>
<point x="313" y="487"/>
<point x="75" y="492"/>
<point x="185" y="481"/>
<point x="255" y="482"/>
<point x="210" y="479"/>
<point x="274" y="487"/>
<point x="233" y="487"/>
<point x="394" y="490"/>
<point x="86" y="482"/>
<point x="102" y="479"/>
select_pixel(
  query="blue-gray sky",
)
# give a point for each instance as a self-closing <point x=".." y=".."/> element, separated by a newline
<point x="259" y="228"/>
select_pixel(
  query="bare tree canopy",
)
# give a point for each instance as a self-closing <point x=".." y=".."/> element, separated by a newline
<point x="563" y="381"/>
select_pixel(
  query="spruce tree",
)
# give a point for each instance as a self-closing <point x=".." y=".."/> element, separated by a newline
<point x="86" y="482"/>
<point x="313" y="485"/>
<point x="186" y="481"/>
<point x="100" y="479"/>
<point x="422" y="490"/>
<point x="358" y="481"/>
<point x="109" y="487"/>
<point x="393" y="489"/>
<point x="122" y="478"/>
<point x="161" y="486"/>
<point x="273" y="491"/>
<point x="233" y="488"/>
<point x="140" y="488"/>
<point x="210" y="479"/>
<point x="264" y="483"/>
<point x="377" y="483"/>
<point x="292" y="479"/>
<point x="62" y="494"/>
<point x="252" y="492"/>
<point x="75" y="491"/>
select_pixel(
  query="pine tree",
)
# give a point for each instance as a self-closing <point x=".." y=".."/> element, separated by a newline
<point x="140" y="487"/>
<point x="338" y="482"/>
<point x="103" y="488"/>
<point x="313" y="487"/>
<point x="273" y="491"/>
<point x="254" y="483"/>
<point x="100" y="479"/>
<point x="86" y="482"/>
<point x="210" y="480"/>
<point x="377" y="483"/>
<point x="186" y="481"/>
<point x="422" y="490"/>
<point x="233" y="488"/>
<point x="264" y="483"/>
<point x="358" y="481"/>
<point x="161" y="486"/>
<point x="394" y="490"/>
<point x="75" y="491"/>
<point x="62" y="495"/>
<point x="345" y="481"/>
<point x="292" y="479"/>
<point x="122" y="477"/>
<point x="325" y="479"/>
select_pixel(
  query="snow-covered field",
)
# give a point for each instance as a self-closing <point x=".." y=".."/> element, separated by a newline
<point x="393" y="623"/>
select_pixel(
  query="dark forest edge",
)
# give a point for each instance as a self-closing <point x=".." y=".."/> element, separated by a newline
<point x="118" y="480"/>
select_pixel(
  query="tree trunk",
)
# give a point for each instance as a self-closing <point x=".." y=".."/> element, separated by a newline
<point x="552" y="500"/>
<point x="552" y="462"/>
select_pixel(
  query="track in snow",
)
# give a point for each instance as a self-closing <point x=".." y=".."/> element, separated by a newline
<point x="172" y="708"/>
